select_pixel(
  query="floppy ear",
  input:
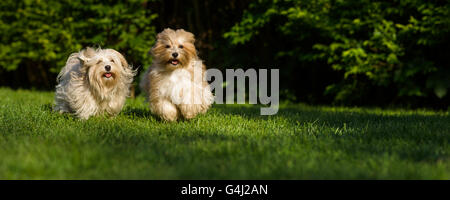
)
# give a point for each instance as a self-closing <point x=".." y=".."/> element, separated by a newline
<point x="123" y="61"/>
<point x="159" y="37"/>
<point x="152" y="50"/>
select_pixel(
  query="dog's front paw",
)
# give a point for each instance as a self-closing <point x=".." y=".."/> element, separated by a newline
<point x="189" y="111"/>
<point x="170" y="117"/>
<point x="165" y="110"/>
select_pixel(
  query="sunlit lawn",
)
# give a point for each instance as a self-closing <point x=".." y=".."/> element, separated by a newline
<point x="229" y="142"/>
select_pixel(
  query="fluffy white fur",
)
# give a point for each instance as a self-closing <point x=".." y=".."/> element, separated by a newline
<point x="86" y="87"/>
<point x="176" y="86"/>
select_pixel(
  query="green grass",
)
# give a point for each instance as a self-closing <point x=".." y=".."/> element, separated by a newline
<point x="229" y="142"/>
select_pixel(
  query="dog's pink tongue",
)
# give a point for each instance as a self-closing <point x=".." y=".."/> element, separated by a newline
<point x="174" y="62"/>
<point x="107" y="75"/>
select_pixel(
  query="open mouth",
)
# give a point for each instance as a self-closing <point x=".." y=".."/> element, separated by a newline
<point x="107" y="75"/>
<point x="174" y="61"/>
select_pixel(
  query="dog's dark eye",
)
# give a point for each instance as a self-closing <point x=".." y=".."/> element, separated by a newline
<point x="112" y="60"/>
<point x="181" y="46"/>
<point x="167" y="46"/>
<point x="99" y="62"/>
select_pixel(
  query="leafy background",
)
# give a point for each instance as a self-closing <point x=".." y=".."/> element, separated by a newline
<point x="363" y="52"/>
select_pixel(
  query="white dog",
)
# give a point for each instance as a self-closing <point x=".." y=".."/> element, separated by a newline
<point x="93" y="82"/>
<point x="175" y="83"/>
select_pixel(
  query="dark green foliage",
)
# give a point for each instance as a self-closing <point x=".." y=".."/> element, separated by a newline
<point x="38" y="36"/>
<point x="398" y="46"/>
<point x="348" y="52"/>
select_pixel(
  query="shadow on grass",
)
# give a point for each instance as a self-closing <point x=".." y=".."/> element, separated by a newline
<point x="415" y="127"/>
<point x="310" y="114"/>
<point x="146" y="114"/>
<point x="138" y="112"/>
<point x="47" y="107"/>
<point x="414" y="136"/>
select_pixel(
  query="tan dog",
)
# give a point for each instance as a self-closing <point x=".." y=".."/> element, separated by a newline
<point x="175" y="82"/>
<point x="93" y="82"/>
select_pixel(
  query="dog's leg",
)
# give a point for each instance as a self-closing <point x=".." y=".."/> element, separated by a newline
<point x="61" y="106"/>
<point x="189" y="111"/>
<point x="165" y="109"/>
<point x="195" y="100"/>
<point x="114" y="106"/>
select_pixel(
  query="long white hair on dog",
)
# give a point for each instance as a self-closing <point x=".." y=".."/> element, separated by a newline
<point x="93" y="82"/>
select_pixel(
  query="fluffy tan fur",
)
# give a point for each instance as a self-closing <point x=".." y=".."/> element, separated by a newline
<point x="86" y="87"/>
<point x="175" y="85"/>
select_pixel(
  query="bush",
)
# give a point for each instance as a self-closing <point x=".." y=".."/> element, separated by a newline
<point x="38" y="36"/>
<point x="389" y="50"/>
<point x="347" y="52"/>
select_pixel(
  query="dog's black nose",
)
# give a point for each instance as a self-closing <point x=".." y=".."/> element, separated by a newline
<point x="175" y="55"/>
<point x="108" y="68"/>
